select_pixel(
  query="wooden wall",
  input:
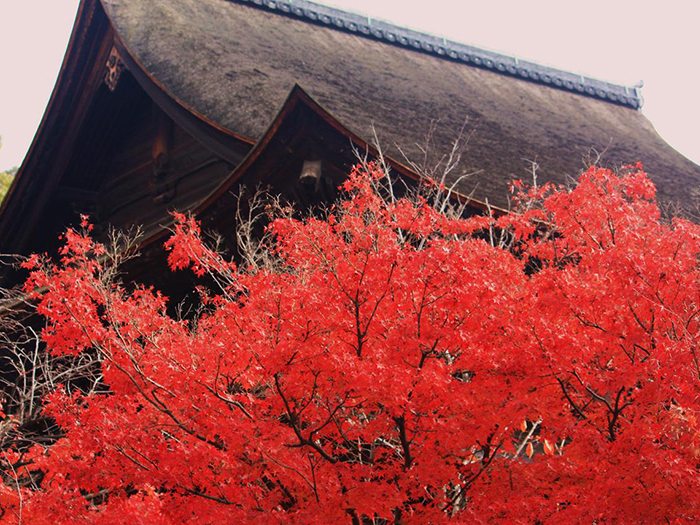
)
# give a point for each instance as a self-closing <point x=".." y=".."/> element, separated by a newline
<point x="133" y="166"/>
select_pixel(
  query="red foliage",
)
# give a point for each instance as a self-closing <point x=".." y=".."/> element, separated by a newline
<point x="396" y="365"/>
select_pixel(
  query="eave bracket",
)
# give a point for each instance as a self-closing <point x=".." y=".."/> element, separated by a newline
<point x="113" y="69"/>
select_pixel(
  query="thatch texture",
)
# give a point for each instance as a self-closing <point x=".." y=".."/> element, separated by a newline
<point x="235" y="64"/>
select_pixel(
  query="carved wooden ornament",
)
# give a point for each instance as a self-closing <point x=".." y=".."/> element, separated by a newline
<point x="113" y="69"/>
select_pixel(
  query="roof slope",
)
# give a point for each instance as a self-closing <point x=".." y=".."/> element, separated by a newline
<point x="235" y="63"/>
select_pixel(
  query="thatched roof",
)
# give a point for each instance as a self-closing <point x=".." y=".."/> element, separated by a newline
<point x="235" y="62"/>
<point x="222" y="70"/>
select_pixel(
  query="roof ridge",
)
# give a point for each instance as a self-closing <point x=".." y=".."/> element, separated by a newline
<point x="449" y="49"/>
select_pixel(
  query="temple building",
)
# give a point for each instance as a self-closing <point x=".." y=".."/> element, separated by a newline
<point x="165" y="105"/>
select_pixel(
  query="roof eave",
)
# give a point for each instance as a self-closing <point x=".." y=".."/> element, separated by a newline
<point x="80" y="73"/>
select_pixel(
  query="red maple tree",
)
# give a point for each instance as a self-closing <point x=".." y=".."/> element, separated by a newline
<point x="393" y="365"/>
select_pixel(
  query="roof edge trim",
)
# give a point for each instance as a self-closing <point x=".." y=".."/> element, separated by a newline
<point x="298" y="95"/>
<point x="82" y="19"/>
<point x="447" y="49"/>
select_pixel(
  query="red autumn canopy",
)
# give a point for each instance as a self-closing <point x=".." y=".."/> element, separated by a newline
<point x="391" y="363"/>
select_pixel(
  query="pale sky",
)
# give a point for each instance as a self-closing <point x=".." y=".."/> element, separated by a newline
<point x="619" y="41"/>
